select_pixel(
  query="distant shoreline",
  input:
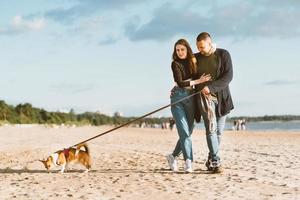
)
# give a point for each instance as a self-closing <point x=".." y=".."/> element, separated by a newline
<point x="293" y="125"/>
<point x="267" y="118"/>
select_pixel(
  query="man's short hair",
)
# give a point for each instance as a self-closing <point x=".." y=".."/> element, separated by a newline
<point x="203" y="36"/>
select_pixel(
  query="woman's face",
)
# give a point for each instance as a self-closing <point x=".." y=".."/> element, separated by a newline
<point x="181" y="51"/>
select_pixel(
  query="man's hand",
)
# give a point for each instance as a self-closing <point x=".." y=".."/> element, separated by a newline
<point x="205" y="90"/>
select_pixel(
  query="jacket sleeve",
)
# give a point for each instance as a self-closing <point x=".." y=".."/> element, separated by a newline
<point x="177" y="74"/>
<point x="225" y="76"/>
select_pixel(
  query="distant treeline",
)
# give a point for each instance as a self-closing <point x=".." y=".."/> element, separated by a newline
<point x="268" y="118"/>
<point x="27" y="114"/>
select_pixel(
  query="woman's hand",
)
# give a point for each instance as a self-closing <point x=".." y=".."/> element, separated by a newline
<point x="203" y="78"/>
<point x="173" y="91"/>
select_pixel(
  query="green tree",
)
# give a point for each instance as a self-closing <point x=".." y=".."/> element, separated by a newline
<point x="5" y="111"/>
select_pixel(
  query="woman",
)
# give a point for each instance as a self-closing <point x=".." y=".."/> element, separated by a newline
<point x="184" y="71"/>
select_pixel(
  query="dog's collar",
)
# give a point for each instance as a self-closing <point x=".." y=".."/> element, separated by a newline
<point x="66" y="152"/>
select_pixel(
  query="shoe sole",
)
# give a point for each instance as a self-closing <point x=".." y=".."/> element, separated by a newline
<point x="218" y="170"/>
<point x="188" y="171"/>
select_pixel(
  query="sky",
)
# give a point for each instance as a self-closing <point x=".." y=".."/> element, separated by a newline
<point x="108" y="56"/>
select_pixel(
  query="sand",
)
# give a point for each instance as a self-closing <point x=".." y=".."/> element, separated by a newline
<point x="130" y="164"/>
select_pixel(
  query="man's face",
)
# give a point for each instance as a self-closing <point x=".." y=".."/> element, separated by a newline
<point x="204" y="46"/>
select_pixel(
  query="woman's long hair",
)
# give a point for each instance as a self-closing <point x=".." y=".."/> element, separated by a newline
<point x="190" y="56"/>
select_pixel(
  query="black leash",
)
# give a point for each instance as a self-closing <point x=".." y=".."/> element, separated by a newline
<point x="141" y="117"/>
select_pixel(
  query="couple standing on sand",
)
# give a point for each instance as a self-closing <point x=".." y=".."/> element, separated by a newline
<point x="208" y="71"/>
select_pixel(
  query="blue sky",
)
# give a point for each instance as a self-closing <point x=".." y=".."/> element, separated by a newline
<point x="115" y="55"/>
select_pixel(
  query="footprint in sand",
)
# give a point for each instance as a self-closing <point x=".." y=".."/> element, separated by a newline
<point x="116" y="180"/>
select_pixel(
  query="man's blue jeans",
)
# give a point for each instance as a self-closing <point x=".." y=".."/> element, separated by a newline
<point x="220" y="127"/>
<point x="183" y="113"/>
<point x="214" y="130"/>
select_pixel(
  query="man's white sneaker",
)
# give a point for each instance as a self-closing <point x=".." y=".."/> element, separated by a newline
<point x="188" y="166"/>
<point x="172" y="162"/>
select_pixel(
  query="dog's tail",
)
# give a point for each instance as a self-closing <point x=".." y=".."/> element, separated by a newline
<point x="85" y="146"/>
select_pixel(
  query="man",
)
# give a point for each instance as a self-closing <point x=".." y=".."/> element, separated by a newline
<point x="215" y="95"/>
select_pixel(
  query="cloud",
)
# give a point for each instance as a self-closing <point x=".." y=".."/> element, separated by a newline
<point x="281" y="82"/>
<point x="73" y="88"/>
<point x="166" y="23"/>
<point x="21" y="25"/>
<point x="84" y="8"/>
<point x="35" y="24"/>
<point x="237" y="20"/>
<point x="108" y="41"/>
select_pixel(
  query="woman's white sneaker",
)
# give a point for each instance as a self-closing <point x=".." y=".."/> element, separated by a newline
<point x="172" y="162"/>
<point x="188" y="166"/>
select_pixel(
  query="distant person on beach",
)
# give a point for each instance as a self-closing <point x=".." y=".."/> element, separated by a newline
<point x="215" y="101"/>
<point x="172" y="123"/>
<point x="239" y="125"/>
<point x="184" y="70"/>
<point x="234" y="125"/>
<point x="243" y="125"/>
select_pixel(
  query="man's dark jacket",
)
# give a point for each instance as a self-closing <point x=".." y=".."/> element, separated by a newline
<point x="220" y="86"/>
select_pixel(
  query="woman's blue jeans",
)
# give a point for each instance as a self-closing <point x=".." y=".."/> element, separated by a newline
<point x="183" y="113"/>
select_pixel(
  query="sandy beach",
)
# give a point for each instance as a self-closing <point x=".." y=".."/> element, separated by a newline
<point x="130" y="164"/>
